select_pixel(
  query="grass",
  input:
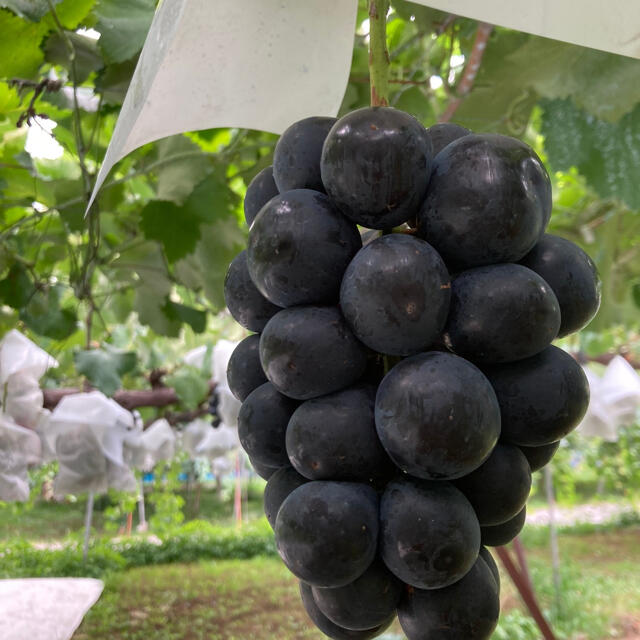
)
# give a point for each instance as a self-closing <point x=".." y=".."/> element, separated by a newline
<point x="231" y="599"/>
<point x="257" y="598"/>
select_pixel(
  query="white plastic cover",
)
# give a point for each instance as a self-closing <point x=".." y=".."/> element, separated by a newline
<point x="144" y="449"/>
<point x="22" y="364"/>
<point x="254" y="64"/>
<point x="621" y="388"/>
<point x="86" y="434"/>
<point x="19" y="449"/>
<point x="263" y="64"/>
<point x="610" y="26"/>
<point x="201" y="440"/>
<point x="45" y="608"/>
<point x="228" y="404"/>
<point x="615" y="400"/>
<point x="18" y="354"/>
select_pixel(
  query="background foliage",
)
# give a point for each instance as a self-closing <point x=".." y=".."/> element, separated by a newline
<point x="148" y="264"/>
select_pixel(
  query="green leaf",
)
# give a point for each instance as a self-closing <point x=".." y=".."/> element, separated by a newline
<point x="104" y="368"/>
<point x="191" y="386"/>
<point x="17" y="287"/>
<point x="501" y="100"/>
<point x="153" y="311"/>
<point x="206" y="268"/>
<point x="72" y="215"/>
<point x="635" y="292"/>
<point x="20" y="53"/>
<point x="71" y="13"/>
<point x="414" y="101"/>
<point x="30" y="9"/>
<point x="427" y="19"/>
<point x="145" y="266"/>
<point x="114" y="81"/>
<point x="44" y="315"/>
<point x="87" y="56"/>
<point x="606" y="154"/>
<point x="176" y="228"/>
<point x="123" y="27"/>
<point x="120" y="305"/>
<point x="9" y="101"/>
<point x="196" y="318"/>
<point x="184" y="167"/>
<point x="590" y="77"/>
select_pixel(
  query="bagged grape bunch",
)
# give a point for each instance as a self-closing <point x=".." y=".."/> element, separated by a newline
<point x="400" y="385"/>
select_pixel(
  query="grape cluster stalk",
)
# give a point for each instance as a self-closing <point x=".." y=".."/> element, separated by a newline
<point x="400" y="386"/>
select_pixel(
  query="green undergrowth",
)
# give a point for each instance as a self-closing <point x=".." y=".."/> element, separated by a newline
<point x="197" y="540"/>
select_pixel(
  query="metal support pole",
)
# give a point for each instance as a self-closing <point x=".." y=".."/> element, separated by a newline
<point x="87" y="526"/>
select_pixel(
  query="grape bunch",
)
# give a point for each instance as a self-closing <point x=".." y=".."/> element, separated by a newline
<point x="401" y="386"/>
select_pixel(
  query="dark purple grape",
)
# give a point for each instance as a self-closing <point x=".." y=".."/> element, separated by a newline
<point x="334" y="437"/>
<point x="279" y="486"/>
<point x="443" y="134"/>
<point x="262" y="424"/>
<point x="539" y="457"/>
<point x="501" y="534"/>
<point x="437" y="416"/>
<point x="541" y="398"/>
<point x="466" y="610"/>
<point x="363" y="604"/>
<point x="244" y="371"/>
<point x="429" y="533"/>
<point x="485" y="554"/>
<point x="296" y="158"/>
<point x="489" y="201"/>
<point x="395" y="295"/>
<point x="499" y="488"/>
<point x="308" y="352"/>
<point x="329" y="628"/>
<point x="573" y="277"/>
<point x="327" y="532"/>
<point x="246" y="304"/>
<point x="375" y="166"/>
<point x="501" y="313"/>
<point x="260" y="190"/>
<point x="299" y="247"/>
<point x="263" y="470"/>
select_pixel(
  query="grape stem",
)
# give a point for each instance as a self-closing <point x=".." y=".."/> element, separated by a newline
<point x="378" y="53"/>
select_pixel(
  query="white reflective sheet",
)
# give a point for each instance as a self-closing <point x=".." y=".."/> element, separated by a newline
<point x="255" y="64"/>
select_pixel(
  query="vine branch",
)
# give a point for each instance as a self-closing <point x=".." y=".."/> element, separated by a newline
<point x="127" y="398"/>
<point x="378" y="53"/>
<point x="471" y="70"/>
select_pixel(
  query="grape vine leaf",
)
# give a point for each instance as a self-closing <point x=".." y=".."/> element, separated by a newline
<point x="114" y="81"/>
<point x="606" y="154"/>
<point x="32" y="10"/>
<point x="196" y="318"/>
<point x="206" y="268"/>
<point x="190" y="385"/>
<point x="123" y="27"/>
<point x="427" y="19"/>
<point x="71" y="13"/>
<point x="17" y="287"/>
<point x="20" y="53"/>
<point x="590" y="77"/>
<point x="414" y="101"/>
<point x="87" y="57"/>
<point x="44" y="315"/>
<point x="104" y="368"/>
<point x="184" y="165"/>
<point x="178" y="229"/>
